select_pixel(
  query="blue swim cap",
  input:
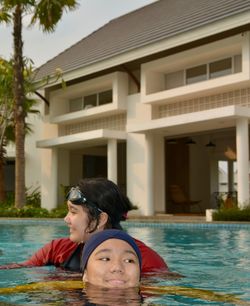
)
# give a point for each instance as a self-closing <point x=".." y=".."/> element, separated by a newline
<point x="96" y="239"/>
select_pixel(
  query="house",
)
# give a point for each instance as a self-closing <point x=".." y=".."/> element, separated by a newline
<point x="153" y="98"/>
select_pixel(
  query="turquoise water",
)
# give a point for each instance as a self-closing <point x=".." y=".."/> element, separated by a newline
<point x="213" y="257"/>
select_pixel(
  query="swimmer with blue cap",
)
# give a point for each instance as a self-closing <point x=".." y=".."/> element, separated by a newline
<point x="111" y="259"/>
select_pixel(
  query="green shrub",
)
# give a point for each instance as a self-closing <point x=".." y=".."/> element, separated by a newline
<point x="26" y="211"/>
<point x="29" y="211"/>
<point x="32" y="208"/>
<point x="59" y="212"/>
<point x="33" y="197"/>
<point x="232" y="214"/>
<point x="10" y="199"/>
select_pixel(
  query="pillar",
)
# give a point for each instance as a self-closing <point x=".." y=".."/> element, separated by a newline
<point x="230" y="175"/>
<point x="112" y="160"/>
<point x="49" y="182"/>
<point x="149" y="175"/>
<point x="242" y="146"/>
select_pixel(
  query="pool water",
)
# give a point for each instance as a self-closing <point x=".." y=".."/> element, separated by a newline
<point x="213" y="257"/>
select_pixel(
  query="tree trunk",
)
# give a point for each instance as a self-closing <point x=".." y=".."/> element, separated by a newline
<point x="19" y="113"/>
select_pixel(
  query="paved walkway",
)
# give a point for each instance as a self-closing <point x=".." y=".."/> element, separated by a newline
<point x="190" y="218"/>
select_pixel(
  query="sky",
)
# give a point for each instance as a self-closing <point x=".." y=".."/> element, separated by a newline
<point x="90" y="15"/>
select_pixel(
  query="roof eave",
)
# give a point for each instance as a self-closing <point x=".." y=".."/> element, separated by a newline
<point x="219" y="27"/>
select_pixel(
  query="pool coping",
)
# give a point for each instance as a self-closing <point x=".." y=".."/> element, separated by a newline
<point x="141" y="222"/>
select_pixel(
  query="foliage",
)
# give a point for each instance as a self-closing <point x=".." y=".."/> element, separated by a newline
<point x="59" y="212"/>
<point x="232" y="214"/>
<point x="32" y="208"/>
<point x="226" y="199"/>
<point x="7" y="122"/>
<point x="47" y="13"/>
<point x="33" y="197"/>
<point x="28" y="211"/>
<point x="7" y="98"/>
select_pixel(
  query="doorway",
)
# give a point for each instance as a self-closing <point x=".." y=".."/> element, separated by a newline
<point x="177" y="169"/>
<point x="94" y="166"/>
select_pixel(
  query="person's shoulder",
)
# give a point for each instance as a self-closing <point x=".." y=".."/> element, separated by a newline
<point x="139" y="242"/>
<point x="151" y="260"/>
<point x="66" y="239"/>
<point x="63" y="244"/>
<point x="63" y="241"/>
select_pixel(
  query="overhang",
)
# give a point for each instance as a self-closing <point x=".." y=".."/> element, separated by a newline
<point x="212" y="119"/>
<point x="81" y="140"/>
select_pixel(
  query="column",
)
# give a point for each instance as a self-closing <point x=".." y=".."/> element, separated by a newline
<point x="242" y="146"/>
<point x="112" y="160"/>
<point x="230" y="175"/>
<point x="214" y="183"/>
<point x="149" y="175"/>
<point x="49" y="182"/>
<point x="159" y="185"/>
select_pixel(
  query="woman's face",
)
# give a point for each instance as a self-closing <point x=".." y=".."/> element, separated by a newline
<point x="113" y="264"/>
<point x="78" y="222"/>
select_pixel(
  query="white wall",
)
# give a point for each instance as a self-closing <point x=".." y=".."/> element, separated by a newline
<point x="159" y="174"/>
<point x="137" y="173"/>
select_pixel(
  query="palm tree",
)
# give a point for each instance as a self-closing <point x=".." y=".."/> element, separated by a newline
<point x="47" y="14"/>
<point x="7" y="131"/>
<point x="6" y="116"/>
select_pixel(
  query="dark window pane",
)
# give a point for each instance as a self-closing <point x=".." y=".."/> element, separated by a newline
<point x="105" y="97"/>
<point x="90" y="101"/>
<point x="220" y="68"/>
<point x="196" y="74"/>
<point x="237" y="63"/>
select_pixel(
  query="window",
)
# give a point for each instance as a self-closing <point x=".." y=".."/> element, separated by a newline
<point x="204" y="72"/>
<point x="237" y="63"/>
<point x="105" y="97"/>
<point x="220" y="68"/>
<point x="89" y="101"/>
<point x="75" y="104"/>
<point x="196" y="74"/>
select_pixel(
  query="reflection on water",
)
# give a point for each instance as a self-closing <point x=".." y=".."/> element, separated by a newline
<point x="118" y="297"/>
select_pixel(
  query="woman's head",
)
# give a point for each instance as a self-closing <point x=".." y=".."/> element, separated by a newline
<point x="99" y="203"/>
<point x="111" y="259"/>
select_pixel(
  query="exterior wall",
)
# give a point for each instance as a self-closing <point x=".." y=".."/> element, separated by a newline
<point x="32" y="154"/>
<point x="136" y="156"/>
<point x="49" y="168"/>
<point x="145" y="178"/>
<point x="159" y="175"/>
<point x="49" y="178"/>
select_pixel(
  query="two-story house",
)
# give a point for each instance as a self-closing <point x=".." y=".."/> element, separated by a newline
<point x="155" y="98"/>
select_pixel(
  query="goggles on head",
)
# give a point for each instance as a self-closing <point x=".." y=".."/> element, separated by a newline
<point x="75" y="196"/>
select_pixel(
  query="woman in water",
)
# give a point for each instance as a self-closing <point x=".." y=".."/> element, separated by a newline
<point x="93" y="205"/>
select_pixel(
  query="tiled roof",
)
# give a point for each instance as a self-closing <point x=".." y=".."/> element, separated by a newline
<point x="149" y="24"/>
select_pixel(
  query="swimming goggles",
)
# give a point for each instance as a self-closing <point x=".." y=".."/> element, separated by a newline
<point x="75" y="196"/>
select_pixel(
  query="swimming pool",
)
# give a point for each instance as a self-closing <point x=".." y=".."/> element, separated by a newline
<point x="214" y="257"/>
